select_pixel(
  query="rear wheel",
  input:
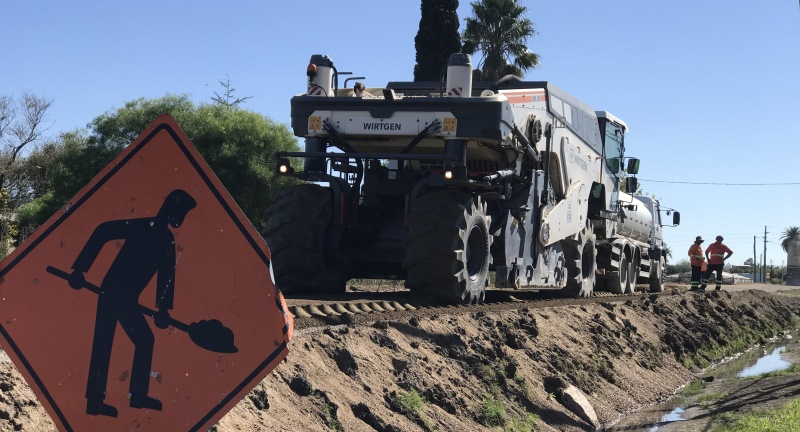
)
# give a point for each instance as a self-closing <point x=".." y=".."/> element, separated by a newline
<point x="657" y="276"/>
<point x="633" y="273"/>
<point x="448" y="247"/>
<point x="618" y="283"/>
<point x="581" y="262"/>
<point x="297" y="225"/>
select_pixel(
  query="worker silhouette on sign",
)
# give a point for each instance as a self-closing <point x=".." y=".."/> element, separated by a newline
<point x="148" y="249"/>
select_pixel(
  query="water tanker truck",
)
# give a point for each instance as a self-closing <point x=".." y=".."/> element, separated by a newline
<point x="439" y="183"/>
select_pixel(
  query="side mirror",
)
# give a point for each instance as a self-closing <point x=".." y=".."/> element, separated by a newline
<point x="676" y="218"/>
<point x="633" y="166"/>
<point x="613" y="163"/>
<point x="632" y="185"/>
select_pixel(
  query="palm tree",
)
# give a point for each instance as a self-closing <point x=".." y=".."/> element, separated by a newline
<point x="789" y="235"/>
<point x="500" y="31"/>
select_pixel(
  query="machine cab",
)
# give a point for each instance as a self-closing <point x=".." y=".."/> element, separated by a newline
<point x="612" y="133"/>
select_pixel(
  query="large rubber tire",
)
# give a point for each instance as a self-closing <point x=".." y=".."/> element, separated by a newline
<point x="658" y="276"/>
<point x="581" y="262"/>
<point x="618" y="283"/>
<point x="633" y="273"/>
<point x="448" y="248"/>
<point x="296" y="227"/>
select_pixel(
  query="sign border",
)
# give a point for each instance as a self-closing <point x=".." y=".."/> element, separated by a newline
<point x="163" y="124"/>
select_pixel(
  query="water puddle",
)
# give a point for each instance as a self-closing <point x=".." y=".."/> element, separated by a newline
<point x="778" y="355"/>
<point x="773" y="362"/>
<point x="675" y="415"/>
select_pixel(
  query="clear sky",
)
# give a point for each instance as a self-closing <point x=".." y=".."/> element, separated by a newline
<point x="708" y="88"/>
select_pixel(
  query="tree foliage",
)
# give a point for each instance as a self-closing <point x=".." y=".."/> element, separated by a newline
<point x="500" y="32"/>
<point x="682" y="266"/>
<point x="22" y="123"/>
<point x="789" y="235"/>
<point x="227" y="98"/>
<point x="436" y="39"/>
<point x="237" y="144"/>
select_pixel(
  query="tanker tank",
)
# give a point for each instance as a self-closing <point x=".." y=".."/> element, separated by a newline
<point x="637" y="222"/>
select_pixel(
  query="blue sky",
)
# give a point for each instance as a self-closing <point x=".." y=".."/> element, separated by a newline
<point x="709" y="89"/>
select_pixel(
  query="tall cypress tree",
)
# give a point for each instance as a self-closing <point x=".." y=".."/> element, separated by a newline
<point x="436" y="39"/>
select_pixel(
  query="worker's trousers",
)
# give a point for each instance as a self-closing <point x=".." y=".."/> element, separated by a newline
<point x="712" y="268"/>
<point x="697" y="273"/>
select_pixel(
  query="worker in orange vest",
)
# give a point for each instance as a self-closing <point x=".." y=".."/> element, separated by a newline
<point x="716" y="254"/>
<point x="697" y="261"/>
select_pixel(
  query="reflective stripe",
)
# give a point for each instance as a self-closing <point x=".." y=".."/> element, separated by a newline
<point x="721" y="255"/>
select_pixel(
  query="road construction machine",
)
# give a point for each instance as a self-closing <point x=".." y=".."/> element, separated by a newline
<point x="441" y="183"/>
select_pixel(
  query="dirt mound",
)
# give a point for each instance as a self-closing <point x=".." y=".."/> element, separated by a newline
<point x="500" y="368"/>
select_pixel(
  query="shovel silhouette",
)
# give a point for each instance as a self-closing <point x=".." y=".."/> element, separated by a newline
<point x="207" y="334"/>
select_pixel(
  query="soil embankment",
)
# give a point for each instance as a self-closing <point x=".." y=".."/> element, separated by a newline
<point x="474" y="370"/>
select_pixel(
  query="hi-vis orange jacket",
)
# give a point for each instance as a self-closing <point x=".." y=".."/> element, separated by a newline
<point x="696" y="255"/>
<point x="716" y="252"/>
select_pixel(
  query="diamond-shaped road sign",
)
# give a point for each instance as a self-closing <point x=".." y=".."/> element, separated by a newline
<point x="147" y="302"/>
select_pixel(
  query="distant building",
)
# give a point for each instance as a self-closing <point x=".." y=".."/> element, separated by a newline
<point x="793" y="263"/>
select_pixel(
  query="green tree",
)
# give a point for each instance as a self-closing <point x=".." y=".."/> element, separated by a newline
<point x="682" y="266"/>
<point x="29" y="177"/>
<point x="436" y="39"/>
<point x="237" y="144"/>
<point x="500" y="32"/>
<point x="227" y="97"/>
<point x="789" y="235"/>
<point x="22" y="123"/>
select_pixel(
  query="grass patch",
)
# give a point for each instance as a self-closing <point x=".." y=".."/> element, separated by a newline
<point x="493" y="413"/>
<point x="786" y="418"/>
<point x="651" y="357"/>
<point x="528" y="424"/>
<point x="410" y="404"/>
<point x="330" y="418"/>
<point x="710" y="397"/>
<point x="694" y="388"/>
<point x="486" y="373"/>
<point x="524" y="386"/>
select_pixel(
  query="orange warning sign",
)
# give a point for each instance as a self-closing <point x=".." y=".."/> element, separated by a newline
<point x="147" y="302"/>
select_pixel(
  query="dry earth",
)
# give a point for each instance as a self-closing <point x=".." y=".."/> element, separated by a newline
<point x="622" y="356"/>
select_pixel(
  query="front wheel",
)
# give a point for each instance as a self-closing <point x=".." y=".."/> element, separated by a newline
<point x="297" y="225"/>
<point x="581" y="262"/>
<point x="448" y="247"/>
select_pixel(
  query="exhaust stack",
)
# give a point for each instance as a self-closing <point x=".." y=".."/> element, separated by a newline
<point x="320" y="76"/>
<point x="459" y="75"/>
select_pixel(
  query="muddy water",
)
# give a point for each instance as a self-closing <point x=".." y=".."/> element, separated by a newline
<point x="778" y="355"/>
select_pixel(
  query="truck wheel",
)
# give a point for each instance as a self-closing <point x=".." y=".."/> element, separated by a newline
<point x="633" y="273"/>
<point x="581" y="262"/>
<point x="657" y="276"/>
<point x="618" y="283"/>
<point x="448" y="247"/>
<point x="296" y="226"/>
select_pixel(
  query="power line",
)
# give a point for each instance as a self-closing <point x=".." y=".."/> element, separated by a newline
<point x="723" y="184"/>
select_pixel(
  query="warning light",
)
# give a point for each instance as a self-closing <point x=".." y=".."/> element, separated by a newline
<point x="284" y="166"/>
<point x="311" y="71"/>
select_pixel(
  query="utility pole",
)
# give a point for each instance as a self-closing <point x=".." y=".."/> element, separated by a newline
<point x="765" y="254"/>
<point x="755" y="263"/>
